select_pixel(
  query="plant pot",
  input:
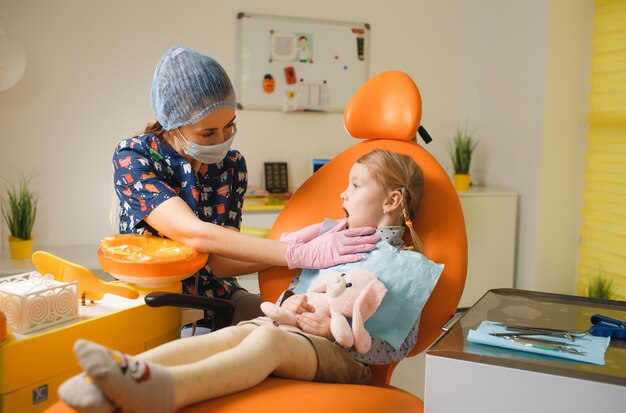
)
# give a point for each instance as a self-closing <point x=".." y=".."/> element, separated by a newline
<point x="462" y="182"/>
<point x="21" y="249"/>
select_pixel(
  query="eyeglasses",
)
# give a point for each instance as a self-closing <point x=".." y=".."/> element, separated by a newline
<point x="230" y="130"/>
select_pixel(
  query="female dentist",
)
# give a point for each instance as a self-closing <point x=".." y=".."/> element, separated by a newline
<point x="181" y="179"/>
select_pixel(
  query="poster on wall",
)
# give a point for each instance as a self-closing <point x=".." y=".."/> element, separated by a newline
<point x="298" y="64"/>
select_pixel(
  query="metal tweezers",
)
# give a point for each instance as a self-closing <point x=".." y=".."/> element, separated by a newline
<point x="532" y="342"/>
<point x="519" y="330"/>
<point x="529" y="338"/>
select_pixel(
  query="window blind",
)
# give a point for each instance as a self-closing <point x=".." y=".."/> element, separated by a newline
<point x="603" y="234"/>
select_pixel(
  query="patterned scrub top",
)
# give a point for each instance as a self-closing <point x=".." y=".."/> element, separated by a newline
<point x="148" y="171"/>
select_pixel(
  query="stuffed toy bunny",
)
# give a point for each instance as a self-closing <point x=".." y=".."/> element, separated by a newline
<point x="352" y="294"/>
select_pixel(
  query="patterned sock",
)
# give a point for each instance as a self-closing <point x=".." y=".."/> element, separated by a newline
<point x="80" y="393"/>
<point x="132" y="384"/>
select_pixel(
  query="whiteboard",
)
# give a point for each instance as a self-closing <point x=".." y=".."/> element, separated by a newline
<point x="299" y="64"/>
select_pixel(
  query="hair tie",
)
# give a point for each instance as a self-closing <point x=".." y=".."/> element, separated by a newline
<point x="409" y="223"/>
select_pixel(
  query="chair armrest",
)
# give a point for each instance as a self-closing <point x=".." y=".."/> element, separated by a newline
<point x="223" y="310"/>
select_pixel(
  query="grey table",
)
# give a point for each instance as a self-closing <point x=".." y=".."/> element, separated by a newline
<point x="463" y="376"/>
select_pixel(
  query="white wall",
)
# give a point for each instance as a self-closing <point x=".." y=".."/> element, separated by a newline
<point x="480" y="63"/>
<point x="565" y="126"/>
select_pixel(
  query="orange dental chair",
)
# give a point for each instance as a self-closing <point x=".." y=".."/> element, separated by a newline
<point x="385" y="112"/>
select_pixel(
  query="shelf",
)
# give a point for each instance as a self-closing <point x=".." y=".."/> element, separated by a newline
<point x="484" y="191"/>
<point x="258" y="208"/>
<point x="273" y="202"/>
<point x="84" y="255"/>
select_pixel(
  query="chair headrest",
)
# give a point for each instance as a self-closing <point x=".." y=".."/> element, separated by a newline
<point x="387" y="106"/>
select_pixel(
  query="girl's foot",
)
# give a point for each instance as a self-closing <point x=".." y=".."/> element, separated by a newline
<point x="132" y="384"/>
<point x="80" y="393"/>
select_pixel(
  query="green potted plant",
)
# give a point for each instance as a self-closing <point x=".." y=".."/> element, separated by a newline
<point x="599" y="287"/>
<point x="461" y="150"/>
<point x="19" y="208"/>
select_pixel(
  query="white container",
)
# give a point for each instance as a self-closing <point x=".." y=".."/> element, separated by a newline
<point x="31" y="301"/>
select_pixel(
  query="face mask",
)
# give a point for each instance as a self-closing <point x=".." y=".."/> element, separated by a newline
<point x="206" y="153"/>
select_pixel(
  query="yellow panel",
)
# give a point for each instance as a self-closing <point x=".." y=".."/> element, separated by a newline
<point x="47" y="358"/>
<point x="603" y="235"/>
<point x="26" y="399"/>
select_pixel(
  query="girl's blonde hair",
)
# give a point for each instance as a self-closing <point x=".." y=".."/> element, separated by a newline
<point x="393" y="171"/>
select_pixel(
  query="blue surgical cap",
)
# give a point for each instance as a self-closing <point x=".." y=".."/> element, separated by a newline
<point x="187" y="86"/>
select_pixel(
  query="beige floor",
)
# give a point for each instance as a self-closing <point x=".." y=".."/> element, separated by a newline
<point x="409" y="375"/>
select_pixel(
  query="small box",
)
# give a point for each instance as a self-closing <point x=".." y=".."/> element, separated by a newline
<point x="31" y="301"/>
<point x="276" y="177"/>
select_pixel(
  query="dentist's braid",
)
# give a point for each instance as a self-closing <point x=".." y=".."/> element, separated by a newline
<point x="393" y="171"/>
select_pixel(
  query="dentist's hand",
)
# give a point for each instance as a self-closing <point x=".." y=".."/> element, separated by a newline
<point x="337" y="246"/>
<point x="305" y="234"/>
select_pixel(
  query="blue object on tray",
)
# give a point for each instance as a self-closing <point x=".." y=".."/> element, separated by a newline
<point x="603" y="326"/>
<point x="593" y="347"/>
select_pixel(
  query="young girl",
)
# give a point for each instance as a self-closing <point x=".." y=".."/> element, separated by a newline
<point x="384" y="190"/>
<point x="182" y="180"/>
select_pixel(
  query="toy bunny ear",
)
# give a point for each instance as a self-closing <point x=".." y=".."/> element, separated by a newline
<point x="365" y="305"/>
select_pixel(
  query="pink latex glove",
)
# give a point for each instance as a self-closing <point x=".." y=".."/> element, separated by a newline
<point x="305" y="234"/>
<point x="336" y="246"/>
